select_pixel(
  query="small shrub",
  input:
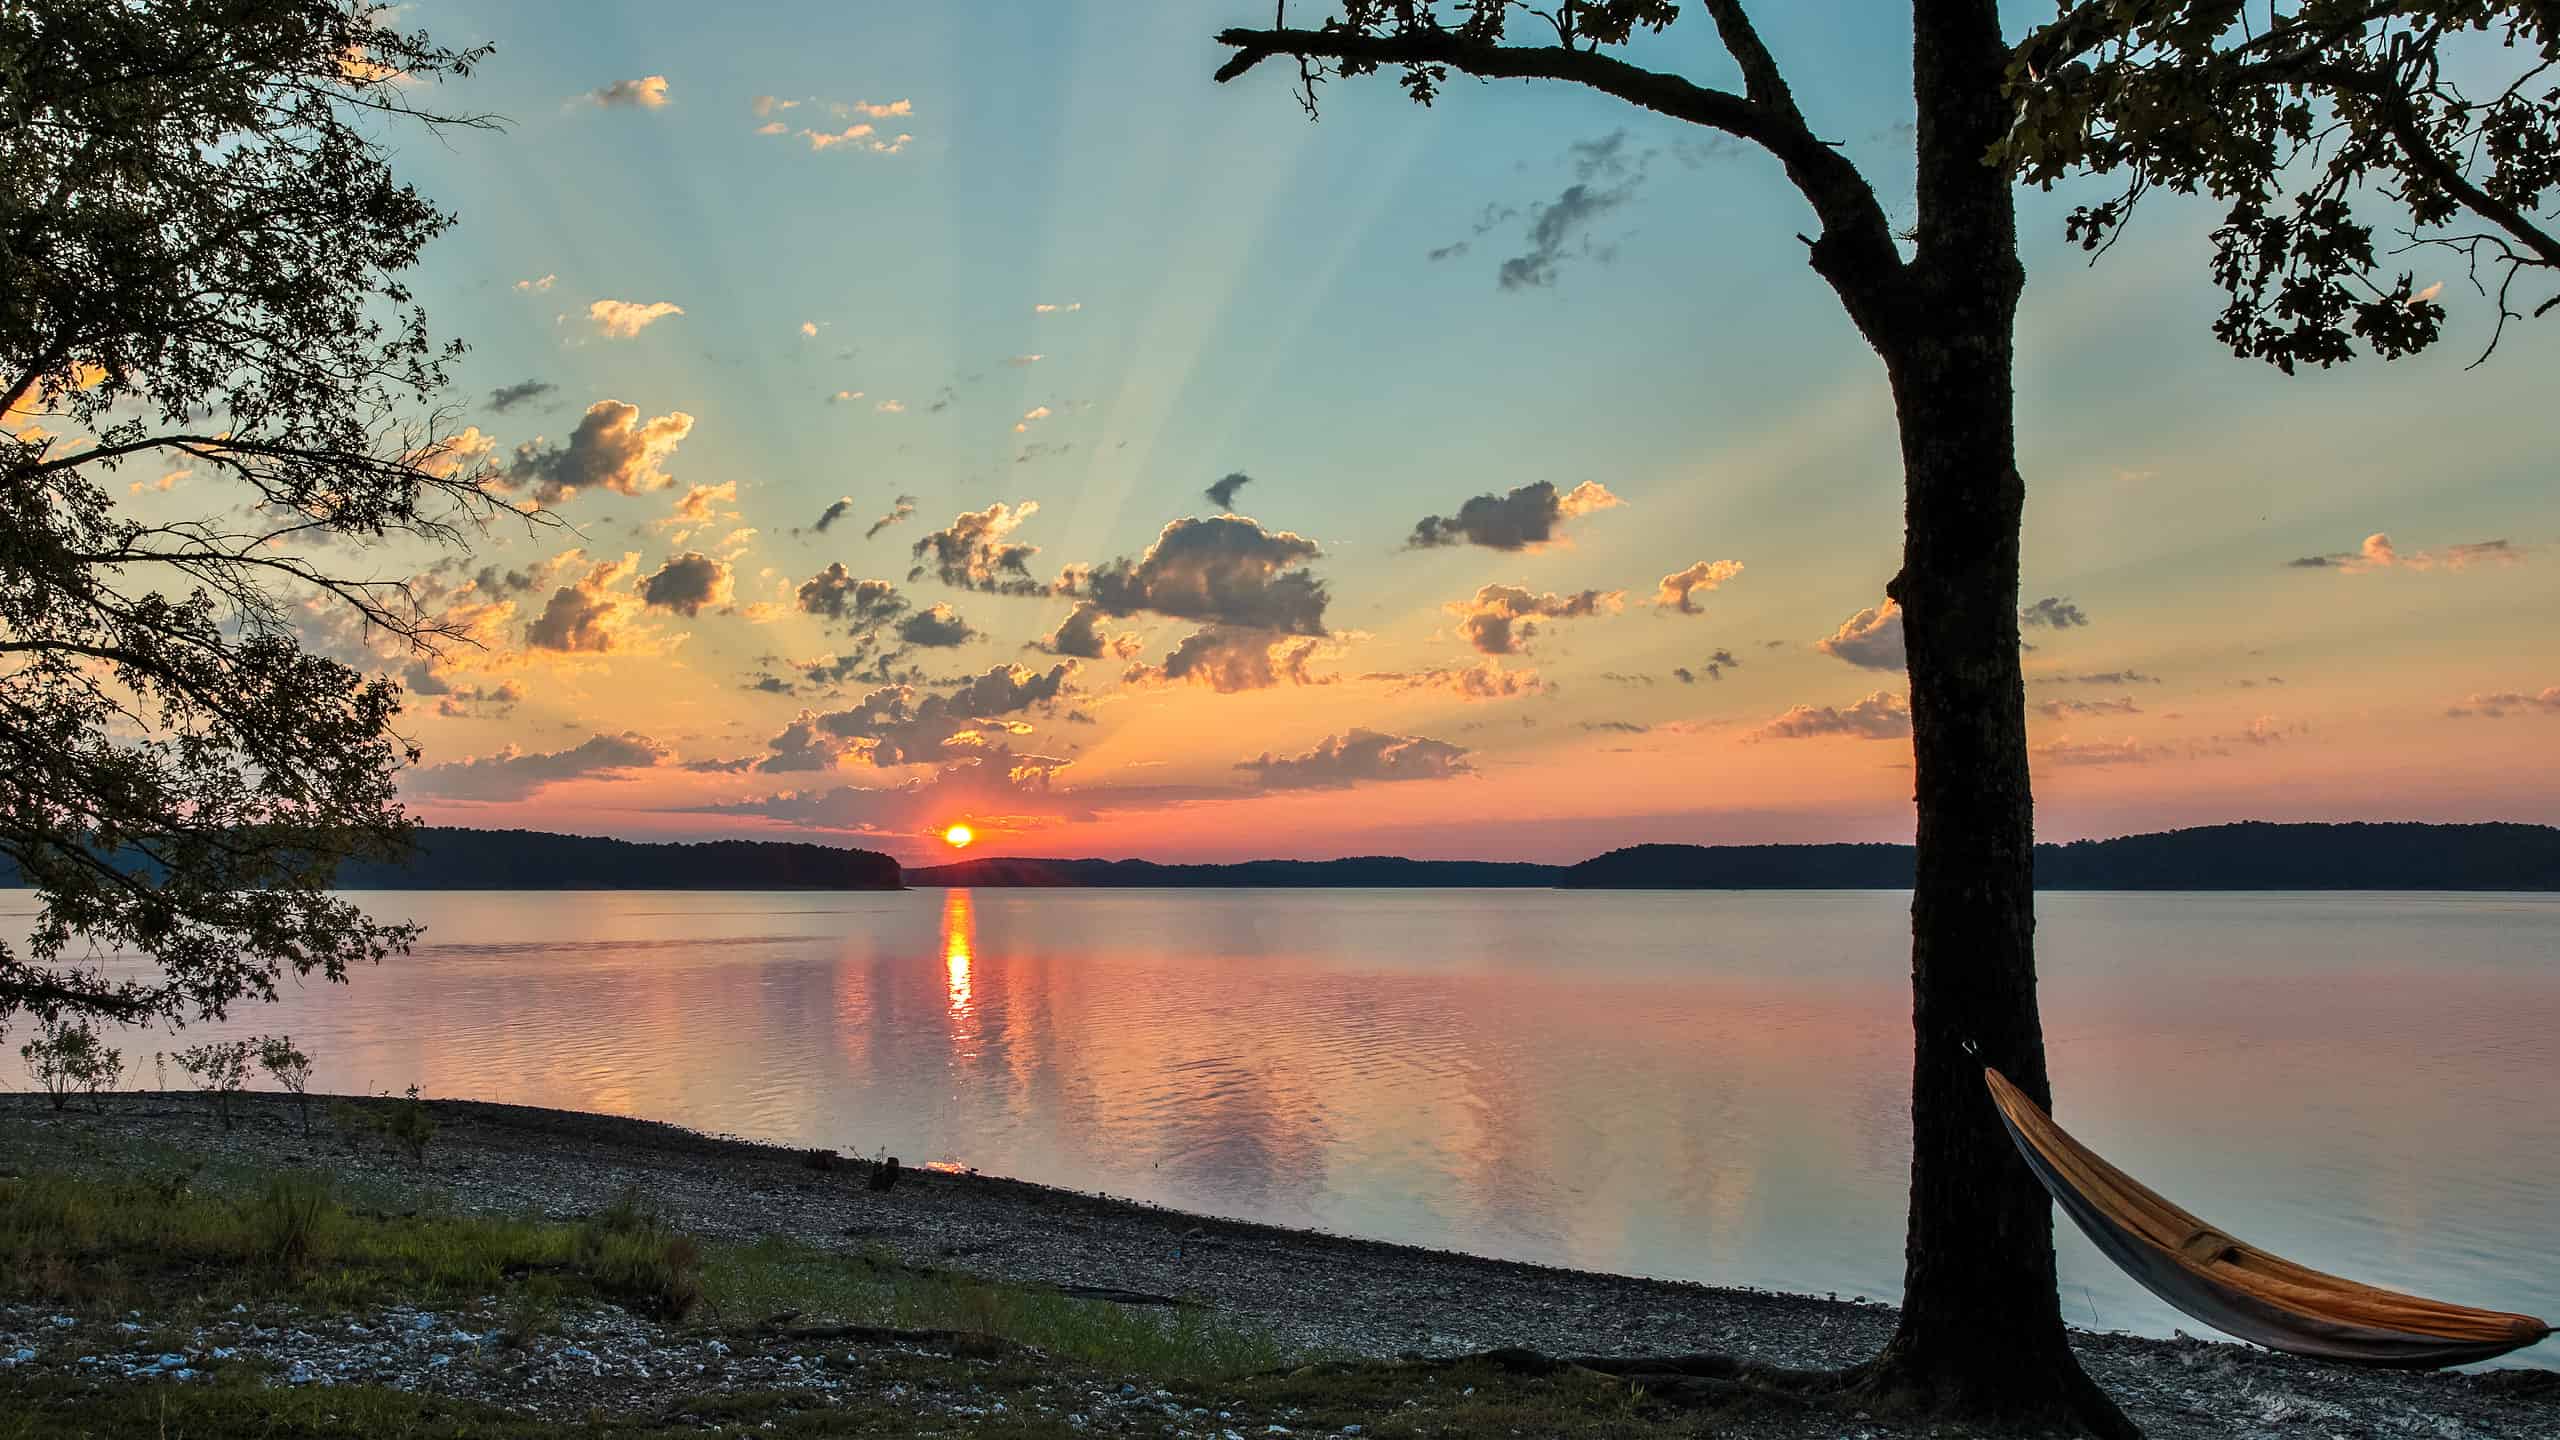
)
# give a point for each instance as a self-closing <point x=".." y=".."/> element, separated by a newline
<point x="292" y="1072"/>
<point x="353" y="1123"/>
<point x="220" y="1070"/>
<point x="291" y="1219"/>
<point x="409" y="1126"/>
<point x="67" y="1059"/>
<point x="631" y="1255"/>
<point x="536" y="1312"/>
<point x="821" y="1160"/>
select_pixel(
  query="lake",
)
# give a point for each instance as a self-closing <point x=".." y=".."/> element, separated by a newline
<point x="1698" y="1085"/>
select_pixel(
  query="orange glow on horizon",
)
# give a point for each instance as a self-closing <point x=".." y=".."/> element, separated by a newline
<point x="958" y="837"/>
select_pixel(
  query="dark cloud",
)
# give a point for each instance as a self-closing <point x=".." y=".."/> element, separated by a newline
<point x="936" y="627"/>
<point x="478" y="702"/>
<point x="508" y="397"/>
<point x="688" y="582"/>
<point x="904" y="506"/>
<point x="730" y="766"/>
<point x="1225" y="570"/>
<point x="1606" y="176"/>
<point x="1231" y="660"/>
<point x="1714" y="669"/>
<point x="1356" y="757"/>
<point x="2053" y="612"/>
<point x="2100" y="752"/>
<point x="865" y="605"/>
<point x="1503" y="619"/>
<point x="513" y="774"/>
<point x="1880" y="716"/>
<point x="1626" y="679"/>
<point x="1222" y="492"/>
<point x="612" y="447"/>
<point x="2378" y="552"/>
<point x="2057" y="709"/>
<point x="832" y="514"/>
<point x="1622" y="727"/>
<point x="1080" y="635"/>
<point x="1525" y="519"/>
<point x="977" y="552"/>
<point x="1870" y="639"/>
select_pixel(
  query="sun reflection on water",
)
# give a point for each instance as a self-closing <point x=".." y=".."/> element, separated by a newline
<point x="959" y="938"/>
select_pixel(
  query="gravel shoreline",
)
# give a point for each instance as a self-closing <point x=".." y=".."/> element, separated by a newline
<point x="1315" y="1292"/>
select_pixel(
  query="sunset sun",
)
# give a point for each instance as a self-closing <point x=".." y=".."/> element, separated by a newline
<point x="958" y="837"/>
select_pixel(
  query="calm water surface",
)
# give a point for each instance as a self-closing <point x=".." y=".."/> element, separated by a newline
<point x="1707" y="1086"/>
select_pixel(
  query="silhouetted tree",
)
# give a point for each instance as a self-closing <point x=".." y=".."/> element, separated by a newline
<point x="1981" y="1331"/>
<point x="199" y="250"/>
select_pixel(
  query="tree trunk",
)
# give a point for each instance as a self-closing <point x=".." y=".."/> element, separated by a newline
<point x="1981" y="1330"/>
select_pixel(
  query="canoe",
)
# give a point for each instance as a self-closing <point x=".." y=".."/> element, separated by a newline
<point x="2236" y="1287"/>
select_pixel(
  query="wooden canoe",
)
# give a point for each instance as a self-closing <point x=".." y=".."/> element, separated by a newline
<point x="2236" y="1287"/>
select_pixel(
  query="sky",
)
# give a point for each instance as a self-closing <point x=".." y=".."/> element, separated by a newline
<point x="973" y="413"/>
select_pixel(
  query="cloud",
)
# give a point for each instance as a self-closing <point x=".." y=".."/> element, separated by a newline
<point x="475" y="702"/>
<point x="2100" y="677"/>
<point x="1222" y="492"/>
<point x="904" y="507"/>
<point x="1029" y="417"/>
<point x="1559" y="229"/>
<point x="1503" y="619"/>
<point x="2500" y="704"/>
<point x="765" y="105"/>
<point x="1620" y="727"/>
<point x="936" y="627"/>
<point x="508" y="397"/>
<point x="2127" y="751"/>
<point x="1223" y="570"/>
<point x="2057" y="709"/>
<point x="1870" y="639"/>
<point x="1881" y="716"/>
<point x="1230" y="660"/>
<point x="842" y="396"/>
<point x="995" y="791"/>
<point x="649" y="92"/>
<point x="2053" y="612"/>
<point x="861" y="135"/>
<point x="1356" y="757"/>
<point x="688" y="582"/>
<point x="1068" y="308"/>
<point x="1677" y="588"/>
<point x="865" y="604"/>
<point x="1018" y="361"/>
<point x="832" y="514"/>
<point x="897" y="725"/>
<point x="1484" y="680"/>
<point x="1525" y="519"/>
<point x="513" y="774"/>
<point x="976" y="551"/>
<point x="1080" y="635"/>
<point x="891" y="407"/>
<point x="610" y="447"/>
<point x="536" y="285"/>
<point x="700" y="505"/>
<point x="623" y="319"/>
<point x="589" y="616"/>
<point x="2379" y="553"/>
<point x="1714" y="669"/>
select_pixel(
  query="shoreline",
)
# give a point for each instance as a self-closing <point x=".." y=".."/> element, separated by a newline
<point x="1315" y="1293"/>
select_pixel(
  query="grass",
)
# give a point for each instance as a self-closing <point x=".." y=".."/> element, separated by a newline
<point x="138" y="1226"/>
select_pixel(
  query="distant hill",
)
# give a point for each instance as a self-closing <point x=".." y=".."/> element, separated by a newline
<point x="1378" y="871"/>
<point x="2253" y="855"/>
<point x="457" y="859"/>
